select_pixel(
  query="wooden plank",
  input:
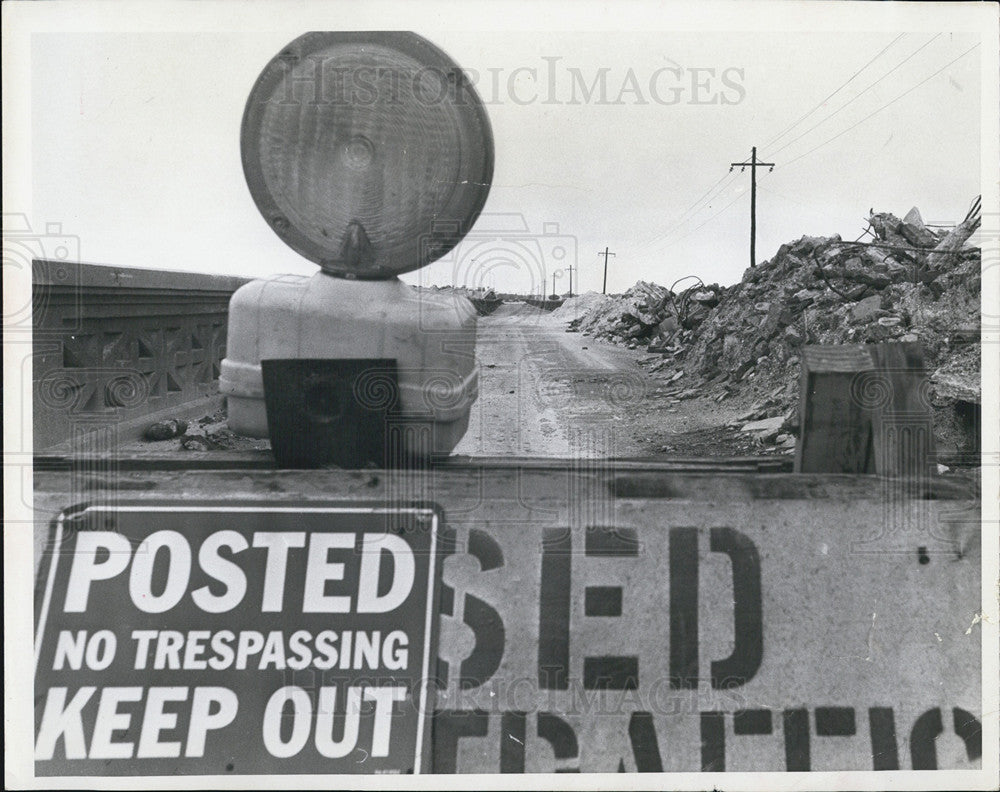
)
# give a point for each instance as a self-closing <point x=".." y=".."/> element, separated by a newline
<point x="835" y="433"/>
<point x="902" y="418"/>
<point x="176" y="460"/>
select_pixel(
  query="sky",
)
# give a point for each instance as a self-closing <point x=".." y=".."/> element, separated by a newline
<point x="135" y="146"/>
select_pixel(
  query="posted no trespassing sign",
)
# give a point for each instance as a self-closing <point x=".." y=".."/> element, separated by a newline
<point x="244" y="638"/>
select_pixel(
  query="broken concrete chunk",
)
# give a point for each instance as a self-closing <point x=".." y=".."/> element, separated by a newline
<point x="866" y="309"/>
<point x="806" y="296"/>
<point x="793" y="335"/>
<point x="913" y="217"/>
<point x="766" y="426"/>
<point x="918" y="236"/>
<point x="785" y="441"/>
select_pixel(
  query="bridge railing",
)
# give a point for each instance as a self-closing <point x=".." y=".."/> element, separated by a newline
<point x="122" y="347"/>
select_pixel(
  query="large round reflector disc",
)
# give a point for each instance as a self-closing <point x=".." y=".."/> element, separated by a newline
<point x="368" y="152"/>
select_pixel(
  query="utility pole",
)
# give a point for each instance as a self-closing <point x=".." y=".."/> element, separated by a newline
<point x="605" y="253"/>
<point x="570" y="268"/>
<point x="753" y="164"/>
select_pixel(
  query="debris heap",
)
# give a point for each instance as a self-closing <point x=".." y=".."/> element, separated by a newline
<point x="905" y="282"/>
<point x="648" y="313"/>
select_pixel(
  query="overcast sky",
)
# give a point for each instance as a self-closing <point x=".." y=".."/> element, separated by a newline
<point x="135" y="143"/>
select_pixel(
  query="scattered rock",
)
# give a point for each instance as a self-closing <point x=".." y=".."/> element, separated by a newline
<point x="197" y="443"/>
<point x="165" y="430"/>
<point x="196" y="438"/>
<point x="766" y="429"/>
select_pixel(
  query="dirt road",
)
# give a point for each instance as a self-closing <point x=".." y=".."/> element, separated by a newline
<point x="546" y="392"/>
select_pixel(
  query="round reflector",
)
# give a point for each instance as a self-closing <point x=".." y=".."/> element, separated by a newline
<point x="368" y="153"/>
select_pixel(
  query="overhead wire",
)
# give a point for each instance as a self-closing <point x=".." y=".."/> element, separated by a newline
<point x="714" y="191"/>
<point x="854" y="98"/>
<point x="718" y="187"/>
<point x="710" y="219"/>
<point x="879" y="109"/>
<point x="837" y="90"/>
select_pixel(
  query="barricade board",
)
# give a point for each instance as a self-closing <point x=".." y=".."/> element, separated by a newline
<point x="594" y="620"/>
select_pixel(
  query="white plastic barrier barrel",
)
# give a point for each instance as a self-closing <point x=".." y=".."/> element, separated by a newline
<point x="430" y="336"/>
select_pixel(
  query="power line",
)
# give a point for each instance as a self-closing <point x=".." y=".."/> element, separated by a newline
<point x="709" y="220"/>
<point x="715" y="190"/>
<point x="718" y="184"/>
<point x="883" y="107"/>
<point x="856" y="96"/>
<point x="783" y="132"/>
<point x="704" y="195"/>
<point x="838" y="90"/>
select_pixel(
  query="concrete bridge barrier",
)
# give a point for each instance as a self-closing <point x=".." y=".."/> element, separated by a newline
<point x="120" y="347"/>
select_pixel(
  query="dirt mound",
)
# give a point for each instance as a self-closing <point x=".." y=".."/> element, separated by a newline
<point x="575" y="308"/>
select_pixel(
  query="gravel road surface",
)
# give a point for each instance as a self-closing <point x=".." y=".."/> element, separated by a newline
<point x="545" y="392"/>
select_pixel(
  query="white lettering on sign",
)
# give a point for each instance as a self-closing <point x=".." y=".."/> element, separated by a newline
<point x="212" y="708"/>
<point x="98" y="651"/>
<point x="155" y="720"/>
<point x="203" y="720"/>
<point x="197" y="650"/>
<point x="109" y="720"/>
<point x="302" y="719"/>
<point x="140" y="582"/>
<point x="371" y="563"/>
<point x="223" y="570"/>
<point x="325" y="744"/>
<point x="115" y="554"/>
<point x="278" y="544"/>
<point x="86" y="569"/>
<point x="320" y="569"/>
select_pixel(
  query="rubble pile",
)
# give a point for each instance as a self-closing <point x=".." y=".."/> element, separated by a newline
<point x="647" y="313"/>
<point x="907" y="282"/>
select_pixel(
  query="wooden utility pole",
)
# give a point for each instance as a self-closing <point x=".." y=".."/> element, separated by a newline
<point x="753" y="164"/>
<point x="571" y="268"/>
<point x="605" y="253"/>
